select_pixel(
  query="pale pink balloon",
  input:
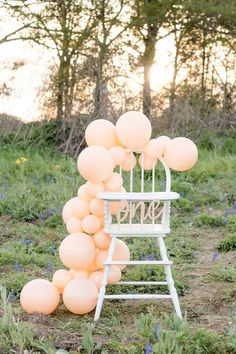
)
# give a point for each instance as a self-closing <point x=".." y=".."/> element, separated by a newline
<point x="181" y="154"/>
<point x="126" y="165"/>
<point x="121" y="253"/>
<point x="96" y="278"/>
<point x="80" y="296"/>
<point x="102" y="240"/>
<point x="75" y="207"/>
<point x="96" y="207"/>
<point x="78" y="273"/>
<point x="114" y="275"/>
<point x="93" y="188"/>
<point x="82" y="193"/>
<point x="95" y="163"/>
<point x="155" y="148"/>
<point x="147" y="162"/>
<point x="100" y="258"/>
<point x="77" y="251"/>
<point x="114" y="182"/>
<point x="91" y="224"/>
<point x="133" y="130"/>
<point x="60" y="278"/>
<point x="40" y="296"/>
<point x="101" y="132"/>
<point x="73" y="225"/>
<point x="119" y="154"/>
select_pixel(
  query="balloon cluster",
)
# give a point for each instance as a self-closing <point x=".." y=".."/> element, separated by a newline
<point x="85" y="249"/>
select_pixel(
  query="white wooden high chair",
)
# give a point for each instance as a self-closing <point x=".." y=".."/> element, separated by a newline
<point x="141" y="229"/>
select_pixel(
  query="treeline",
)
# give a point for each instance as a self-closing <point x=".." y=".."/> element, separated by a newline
<point x="99" y="44"/>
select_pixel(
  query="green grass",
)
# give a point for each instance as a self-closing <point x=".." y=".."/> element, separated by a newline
<point x="203" y="221"/>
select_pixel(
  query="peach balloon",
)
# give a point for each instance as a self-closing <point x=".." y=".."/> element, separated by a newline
<point x="126" y="165"/>
<point x="93" y="188"/>
<point x="133" y="130"/>
<point x="73" y="225"/>
<point x="96" y="278"/>
<point x="60" y="278"/>
<point x="75" y="207"/>
<point x="39" y="295"/>
<point x="102" y="220"/>
<point x="80" y="296"/>
<point x="102" y="240"/>
<point x="155" y="148"/>
<point x="78" y="273"/>
<point x="114" y="275"/>
<point x="96" y="207"/>
<point x="92" y="266"/>
<point x="114" y="207"/>
<point x="100" y="258"/>
<point x="101" y="132"/>
<point x="119" y="154"/>
<point x="121" y="253"/>
<point x="91" y="224"/>
<point x="82" y="193"/>
<point x="77" y="251"/>
<point x="114" y="182"/>
<point x="181" y="154"/>
<point x="95" y="163"/>
<point x="147" y="162"/>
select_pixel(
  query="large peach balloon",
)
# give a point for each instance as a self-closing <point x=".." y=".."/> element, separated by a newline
<point x="91" y="224"/>
<point x="77" y="251"/>
<point x="114" y="182"/>
<point x="147" y="162"/>
<point x="60" y="278"/>
<point x="82" y="193"/>
<point x="119" y="154"/>
<point x="126" y="165"/>
<point x="93" y="188"/>
<point x="181" y="154"/>
<point x="96" y="207"/>
<point x="133" y="130"/>
<point x="96" y="278"/>
<point x="80" y="296"/>
<point x="75" y="207"/>
<point x="73" y="225"/>
<point x="114" y="275"/>
<point x="155" y="148"/>
<point x="101" y="132"/>
<point x="39" y="295"/>
<point x="95" y="163"/>
<point x="100" y="258"/>
<point x="121" y="253"/>
<point x="102" y="240"/>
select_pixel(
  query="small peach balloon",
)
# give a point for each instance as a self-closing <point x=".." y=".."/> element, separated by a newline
<point x="101" y="132"/>
<point x="39" y="295"/>
<point x="95" y="163"/>
<point x="126" y="165"/>
<point x="82" y="193"/>
<point x="102" y="240"/>
<point x="91" y="224"/>
<point x="96" y="207"/>
<point x="93" y="188"/>
<point x="96" y="278"/>
<point x="133" y="130"/>
<point x="114" y="275"/>
<point x="181" y="154"/>
<point x="114" y="182"/>
<point x="77" y="251"/>
<point x="73" y="225"/>
<point x="78" y="273"/>
<point x="75" y="207"/>
<point x="119" y="154"/>
<point x="114" y="207"/>
<point x="60" y="278"/>
<point x="100" y="258"/>
<point x="102" y="220"/>
<point x="155" y="148"/>
<point x="80" y="296"/>
<point x="147" y="162"/>
<point x="121" y="253"/>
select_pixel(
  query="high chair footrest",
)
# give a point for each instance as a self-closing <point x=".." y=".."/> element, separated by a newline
<point x="138" y="262"/>
<point x="138" y="296"/>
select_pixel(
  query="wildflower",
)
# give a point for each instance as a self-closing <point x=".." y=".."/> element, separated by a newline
<point x="47" y="179"/>
<point x="152" y="257"/>
<point x="21" y="160"/>
<point x="2" y="196"/>
<point x="49" y="267"/>
<point x="41" y="217"/>
<point x="215" y="256"/>
<point x="52" y="250"/>
<point x="156" y="330"/>
<point x="26" y="242"/>
<point x="181" y="194"/>
<point x="197" y="211"/>
<point x="17" y="267"/>
<point x="56" y="211"/>
<point x="11" y="297"/>
<point x="49" y="212"/>
<point x="226" y="216"/>
<point x="148" y="349"/>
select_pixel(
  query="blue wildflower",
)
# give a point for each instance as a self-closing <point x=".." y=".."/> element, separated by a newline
<point x="152" y="257"/>
<point x="215" y="256"/>
<point x="26" y="242"/>
<point x="52" y="250"/>
<point x="17" y="267"/>
<point x="11" y="297"/>
<point x="156" y="331"/>
<point x="181" y="194"/>
<point x="41" y="217"/>
<point x="49" y="212"/>
<point x="226" y="216"/>
<point x="49" y="267"/>
<point x="234" y="205"/>
<point x="148" y="349"/>
<point x="56" y="211"/>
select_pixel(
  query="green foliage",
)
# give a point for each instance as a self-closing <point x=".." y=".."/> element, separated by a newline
<point x="88" y="342"/>
<point x="227" y="244"/>
<point x="225" y="273"/>
<point x="210" y="220"/>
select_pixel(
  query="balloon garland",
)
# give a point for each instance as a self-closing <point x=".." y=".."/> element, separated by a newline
<point x="85" y="249"/>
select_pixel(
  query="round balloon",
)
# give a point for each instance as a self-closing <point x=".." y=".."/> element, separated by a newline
<point x="40" y="296"/>
<point x="82" y="193"/>
<point x="75" y="207"/>
<point x="100" y="258"/>
<point x="181" y="154"/>
<point x="93" y="188"/>
<point x="60" y="278"/>
<point x="77" y="251"/>
<point x="147" y="162"/>
<point x="73" y="225"/>
<point x="121" y="253"/>
<point x="95" y="163"/>
<point x="80" y="296"/>
<point x="133" y="130"/>
<point x="102" y="240"/>
<point x="96" y="278"/>
<point x="114" y="275"/>
<point x="96" y="207"/>
<point x="91" y="224"/>
<point x="126" y="165"/>
<point x="114" y="182"/>
<point x="101" y="132"/>
<point x="155" y="148"/>
<point x="119" y="154"/>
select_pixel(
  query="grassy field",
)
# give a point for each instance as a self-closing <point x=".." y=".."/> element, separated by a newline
<point x="202" y="246"/>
